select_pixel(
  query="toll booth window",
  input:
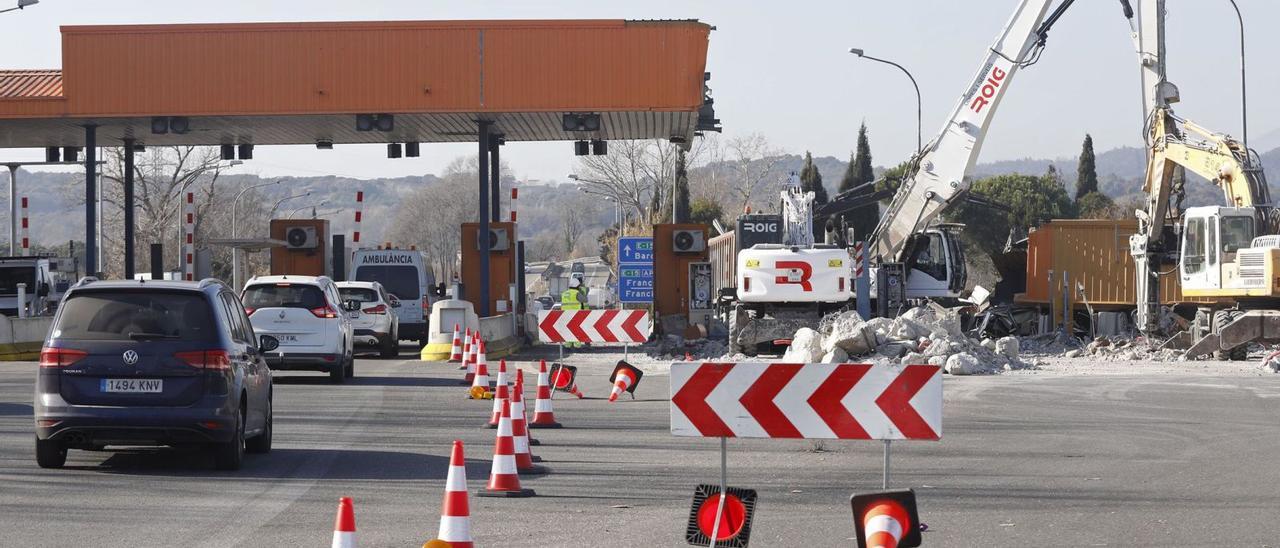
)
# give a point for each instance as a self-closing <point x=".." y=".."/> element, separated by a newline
<point x="930" y="256"/>
<point x="1193" y="246"/>
<point x="1237" y="232"/>
<point x="401" y="281"/>
<point x="11" y="277"/>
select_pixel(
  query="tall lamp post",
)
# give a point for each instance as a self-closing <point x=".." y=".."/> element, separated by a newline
<point x="617" y="198"/>
<point x="312" y="207"/>
<point x="182" y="196"/>
<point x="1244" y="105"/>
<point x="235" y="252"/>
<point x="21" y="4"/>
<point x="919" y="141"/>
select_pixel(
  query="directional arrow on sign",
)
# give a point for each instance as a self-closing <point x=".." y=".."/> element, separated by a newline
<point x="782" y="400"/>
<point x="595" y="326"/>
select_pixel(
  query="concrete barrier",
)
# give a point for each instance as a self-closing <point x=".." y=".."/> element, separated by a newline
<point x="21" y="338"/>
<point x="498" y="331"/>
<point x="499" y="334"/>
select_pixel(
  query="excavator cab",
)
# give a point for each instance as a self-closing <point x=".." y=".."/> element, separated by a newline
<point x="936" y="265"/>
<point x="1222" y="255"/>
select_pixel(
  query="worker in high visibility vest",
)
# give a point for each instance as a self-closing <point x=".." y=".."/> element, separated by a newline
<point x="573" y="299"/>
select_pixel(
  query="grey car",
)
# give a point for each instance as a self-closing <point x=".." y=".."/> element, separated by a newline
<point x="159" y="363"/>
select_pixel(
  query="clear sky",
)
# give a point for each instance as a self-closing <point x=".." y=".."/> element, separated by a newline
<point x="782" y="68"/>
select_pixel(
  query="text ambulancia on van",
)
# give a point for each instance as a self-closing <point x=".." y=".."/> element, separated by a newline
<point x="405" y="277"/>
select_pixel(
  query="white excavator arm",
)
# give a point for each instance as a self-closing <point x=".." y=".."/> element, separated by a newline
<point x="938" y="177"/>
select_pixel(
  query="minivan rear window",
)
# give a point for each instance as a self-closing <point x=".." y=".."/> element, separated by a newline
<point x="105" y="315"/>
<point x="399" y="280"/>
<point x="283" y="295"/>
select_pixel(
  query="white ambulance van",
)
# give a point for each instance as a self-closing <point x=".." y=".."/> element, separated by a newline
<point x="405" y="276"/>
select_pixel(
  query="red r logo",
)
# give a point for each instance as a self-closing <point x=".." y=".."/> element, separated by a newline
<point x="806" y="271"/>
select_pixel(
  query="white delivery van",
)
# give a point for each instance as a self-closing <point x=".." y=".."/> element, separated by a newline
<point x="405" y="276"/>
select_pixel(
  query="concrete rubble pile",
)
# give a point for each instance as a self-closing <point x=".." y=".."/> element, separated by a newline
<point x="927" y="334"/>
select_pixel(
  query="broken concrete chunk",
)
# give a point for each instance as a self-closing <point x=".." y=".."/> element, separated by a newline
<point x="836" y="355"/>
<point x="854" y="339"/>
<point x="1007" y="347"/>
<point x="1074" y="353"/>
<point x="963" y="364"/>
<point x="893" y="349"/>
<point x="913" y="358"/>
<point x="806" y="347"/>
<point x="937" y="360"/>
<point x="988" y="344"/>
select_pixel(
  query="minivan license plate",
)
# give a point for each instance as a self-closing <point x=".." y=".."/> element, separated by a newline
<point x="133" y="386"/>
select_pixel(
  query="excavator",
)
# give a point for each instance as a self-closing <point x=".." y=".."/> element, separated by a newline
<point x="774" y="288"/>
<point x="1229" y="252"/>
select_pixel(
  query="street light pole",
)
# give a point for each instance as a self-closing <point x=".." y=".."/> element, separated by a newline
<point x="1244" y="106"/>
<point x="21" y="4"/>
<point x="182" y="195"/>
<point x="235" y="251"/>
<point x="919" y="141"/>
<point x="617" y="199"/>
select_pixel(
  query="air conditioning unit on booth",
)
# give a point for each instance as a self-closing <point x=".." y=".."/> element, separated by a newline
<point x="688" y="241"/>
<point x="498" y="240"/>
<point x="301" y="237"/>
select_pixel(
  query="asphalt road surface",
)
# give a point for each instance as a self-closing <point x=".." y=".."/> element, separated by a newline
<point x="1176" y="459"/>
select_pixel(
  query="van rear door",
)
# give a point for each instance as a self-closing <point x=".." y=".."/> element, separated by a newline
<point x="400" y="273"/>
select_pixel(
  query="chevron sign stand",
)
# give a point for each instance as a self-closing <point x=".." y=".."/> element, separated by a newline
<point x="851" y="401"/>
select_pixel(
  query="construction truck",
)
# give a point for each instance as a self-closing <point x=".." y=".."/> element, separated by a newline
<point x="46" y="279"/>
<point x="779" y="286"/>
<point x="1230" y="251"/>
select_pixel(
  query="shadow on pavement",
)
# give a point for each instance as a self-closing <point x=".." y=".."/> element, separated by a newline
<point x="283" y="464"/>
<point x="323" y="380"/>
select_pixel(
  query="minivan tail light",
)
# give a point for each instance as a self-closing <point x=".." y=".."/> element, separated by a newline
<point x="60" y="357"/>
<point x="380" y="309"/>
<point x="325" y="311"/>
<point x="216" y="360"/>
<point x="248" y="310"/>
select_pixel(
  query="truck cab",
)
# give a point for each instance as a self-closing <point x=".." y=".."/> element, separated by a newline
<point x="46" y="280"/>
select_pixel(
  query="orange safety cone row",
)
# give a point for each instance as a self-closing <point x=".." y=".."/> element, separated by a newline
<point x="504" y="478"/>
<point x="544" y="416"/>
<point x="455" y="511"/>
<point x="455" y="353"/>
<point x="466" y="347"/>
<point x="481" y="378"/>
<point x="524" y="411"/>
<point x="520" y="432"/>
<point x="500" y="393"/>
<point x="344" y="526"/>
<point x="625" y="377"/>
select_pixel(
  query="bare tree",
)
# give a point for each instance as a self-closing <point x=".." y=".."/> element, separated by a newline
<point x="752" y="160"/>
<point x="431" y="217"/>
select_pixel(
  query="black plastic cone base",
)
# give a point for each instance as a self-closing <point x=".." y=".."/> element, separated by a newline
<point x="547" y="425"/>
<point x="491" y="425"/>
<point x="534" y="470"/>
<point x="533" y="442"/>
<point x="506" y="494"/>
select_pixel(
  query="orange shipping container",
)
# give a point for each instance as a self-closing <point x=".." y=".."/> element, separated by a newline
<point x="1093" y="252"/>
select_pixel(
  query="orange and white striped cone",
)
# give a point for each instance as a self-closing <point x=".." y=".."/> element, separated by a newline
<point x="886" y="519"/>
<point x="469" y="360"/>
<point x="625" y="377"/>
<point x="519" y="430"/>
<point x="455" y="353"/>
<point x="481" y="378"/>
<point x="466" y="349"/>
<point x="455" y="511"/>
<point x="504" y="478"/>
<point x="500" y="393"/>
<point x="884" y="524"/>
<point x="344" y="526"/>
<point x="524" y="411"/>
<point x="544" y="416"/>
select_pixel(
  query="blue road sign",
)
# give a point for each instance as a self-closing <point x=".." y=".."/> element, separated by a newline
<point x="635" y="250"/>
<point x="635" y="270"/>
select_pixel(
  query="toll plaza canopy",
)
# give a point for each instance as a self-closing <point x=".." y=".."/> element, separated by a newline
<point x="303" y="83"/>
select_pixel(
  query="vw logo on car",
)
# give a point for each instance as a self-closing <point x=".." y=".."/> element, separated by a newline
<point x="130" y="357"/>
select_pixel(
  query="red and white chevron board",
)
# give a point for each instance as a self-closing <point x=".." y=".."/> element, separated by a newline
<point x="790" y="400"/>
<point x="594" y="326"/>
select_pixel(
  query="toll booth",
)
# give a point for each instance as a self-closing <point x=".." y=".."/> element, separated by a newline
<point x="306" y="251"/>
<point x="678" y="250"/>
<point x="502" y="264"/>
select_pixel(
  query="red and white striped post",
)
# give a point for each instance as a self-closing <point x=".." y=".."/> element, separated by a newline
<point x="515" y="191"/>
<point x="26" y="233"/>
<point x="355" y="235"/>
<point x="861" y="279"/>
<point x="189" y="237"/>
<point x="859" y="259"/>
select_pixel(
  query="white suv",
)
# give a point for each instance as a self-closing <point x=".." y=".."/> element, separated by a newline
<point x="307" y="315"/>
<point x="377" y="322"/>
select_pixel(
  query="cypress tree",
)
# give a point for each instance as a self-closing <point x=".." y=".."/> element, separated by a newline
<point x="811" y="180"/>
<point x="681" y="208"/>
<point x="1086" y="170"/>
<point x="860" y="170"/>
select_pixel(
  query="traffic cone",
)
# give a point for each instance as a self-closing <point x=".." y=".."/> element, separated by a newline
<point x="455" y="353"/>
<point x="481" y="378"/>
<point x="469" y="360"/>
<point x="500" y="393"/>
<point x="625" y="377"/>
<point x="524" y="411"/>
<point x="455" y="512"/>
<point x="504" y="478"/>
<point x="543" y="414"/>
<point x="565" y="377"/>
<point x="466" y="349"/>
<point x="519" y="430"/>
<point x="344" y="527"/>
<point x="886" y="519"/>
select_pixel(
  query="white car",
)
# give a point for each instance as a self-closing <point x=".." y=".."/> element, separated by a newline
<point x="377" y="322"/>
<point x="308" y="316"/>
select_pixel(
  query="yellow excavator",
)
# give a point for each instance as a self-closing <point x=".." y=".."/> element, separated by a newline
<point x="1229" y="252"/>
